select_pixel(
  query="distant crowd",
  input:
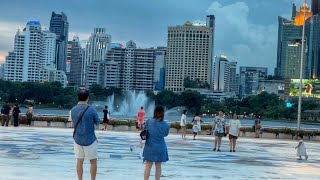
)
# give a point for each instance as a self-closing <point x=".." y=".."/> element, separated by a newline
<point x="10" y="114"/>
<point x="83" y="118"/>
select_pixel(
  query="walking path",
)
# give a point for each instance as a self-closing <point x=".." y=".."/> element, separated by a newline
<point x="47" y="153"/>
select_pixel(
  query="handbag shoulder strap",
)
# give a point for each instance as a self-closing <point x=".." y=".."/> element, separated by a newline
<point x="147" y="122"/>
<point x="79" y="120"/>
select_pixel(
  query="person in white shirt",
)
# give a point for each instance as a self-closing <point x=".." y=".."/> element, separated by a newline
<point x="219" y="130"/>
<point x="234" y="131"/>
<point x="183" y="124"/>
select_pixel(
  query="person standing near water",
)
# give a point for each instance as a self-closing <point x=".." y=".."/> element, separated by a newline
<point x="196" y="125"/>
<point x="155" y="149"/>
<point x="257" y="126"/>
<point x="106" y="118"/>
<point x="5" y="111"/>
<point x="84" y="118"/>
<point x="219" y="130"/>
<point x="140" y="117"/>
<point x="234" y="131"/>
<point x="29" y="114"/>
<point x="15" y="115"/>
<point x="183" y="124"/>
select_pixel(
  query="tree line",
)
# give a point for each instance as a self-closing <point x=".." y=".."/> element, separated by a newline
<point x="54" y="95"/>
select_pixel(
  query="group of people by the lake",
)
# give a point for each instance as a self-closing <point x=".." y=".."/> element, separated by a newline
<point x="84" y="118"/>
<point x="220" y="129"/>
<point x="12" y="113"/>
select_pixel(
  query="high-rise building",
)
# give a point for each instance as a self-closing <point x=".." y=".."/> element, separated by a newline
<point x="249" y="80"/>
<point x="159" y="68"/>
<point x="60" y="26"/>
<point x="1" y="71"/>
<point x="234" y="78"/>
<point x="32" y="57"/>
<point x="97" y="47"/>
<point x="289" y="45"/>
<point x="49" y="45"/>
<point x="315" y="7"/>
<point x="189" y="54"/>
<point x="221" y="70"/>
<point x="136" y="66"/>
<point x="313" y="42"/>
<point x="74" y="60"/>
<point x="24" y="62"/>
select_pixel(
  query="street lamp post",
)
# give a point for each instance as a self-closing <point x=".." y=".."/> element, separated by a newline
<point x="301" y="66"/>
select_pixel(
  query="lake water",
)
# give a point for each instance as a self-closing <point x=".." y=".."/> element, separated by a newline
<point x="172" y="118"/>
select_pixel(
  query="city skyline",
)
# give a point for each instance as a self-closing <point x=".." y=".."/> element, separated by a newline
<point x="248" y="35"/>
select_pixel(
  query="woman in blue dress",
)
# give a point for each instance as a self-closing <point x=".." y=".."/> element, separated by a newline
<point x="155" y="150"/>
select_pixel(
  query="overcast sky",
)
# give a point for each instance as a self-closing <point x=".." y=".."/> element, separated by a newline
<point x="246" y="30"/>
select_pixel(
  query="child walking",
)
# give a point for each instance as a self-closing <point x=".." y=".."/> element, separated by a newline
<point x="196" y="125"/>
<point x="301" y="149"/>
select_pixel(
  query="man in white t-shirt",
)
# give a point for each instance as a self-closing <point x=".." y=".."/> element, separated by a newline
<point x="183" y="124"/>
<point x="234" y="131"/>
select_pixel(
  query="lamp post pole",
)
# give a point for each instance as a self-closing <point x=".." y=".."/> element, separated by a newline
<point x="301" y="66"/>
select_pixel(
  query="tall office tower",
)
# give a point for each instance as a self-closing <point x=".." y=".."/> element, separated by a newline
<point x="211" y="23"/>
<point x="49" y="45"/>
<point x="221" y="70"/>
<point x="313" y="41"/>
<point x="33" y="56"/>
<point x="159" y="68"/>
<point x="136" y="66"/>
<point x="289" y="46"/>
<point x="97" y="47"/>
<point x="128" y="66"/>
<point x="1" y="71"/>
<point x="74" y="61"/>
<point x="60" y="26"/>
<point x="234" y="78"/>
<point x="143" y="71"/>
<point x="315" y="7"/>
<point x="189" y="54"/>
<point x="24" y="62"/>
<point x="249" y="80"/>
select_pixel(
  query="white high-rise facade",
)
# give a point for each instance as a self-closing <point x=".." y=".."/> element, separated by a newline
<point x="24" y="62"/>
<point x="189" y="54"/>
<point x="221" y="71"/>
<point x="49" y="47"/>
<point x="32" y="57"/>
<point x="96" y="48"/>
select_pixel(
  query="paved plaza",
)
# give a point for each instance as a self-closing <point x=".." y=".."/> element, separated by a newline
<point x="47" y="153"/>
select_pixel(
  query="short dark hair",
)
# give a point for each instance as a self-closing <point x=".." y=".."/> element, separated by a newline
<point x="83" y="95"/>
<point x="106" y="107"/>
<point x="30" y="104"/>
<point x="185" y="111"/>
<point x="158" y="113"/>
<point x="197" y="114"/>
<point x="235" y="114"/>
<point x="141" y="107"/>
<point x="300" y="135"/>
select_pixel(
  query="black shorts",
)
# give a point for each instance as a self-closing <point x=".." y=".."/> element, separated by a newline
<point x="105" y="121"/>
<point x="232" y="137"/>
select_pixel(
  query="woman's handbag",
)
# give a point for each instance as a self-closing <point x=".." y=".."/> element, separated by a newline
<point x="144" y="132"/>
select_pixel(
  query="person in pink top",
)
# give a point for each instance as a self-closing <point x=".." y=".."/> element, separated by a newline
<point x="140" y="117"/>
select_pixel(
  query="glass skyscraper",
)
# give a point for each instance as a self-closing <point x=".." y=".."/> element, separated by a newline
<point x="60" y="26"/>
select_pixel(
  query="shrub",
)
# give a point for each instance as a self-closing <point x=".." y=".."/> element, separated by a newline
<point x="246" y="129"/>
<point x="175" y="125"/>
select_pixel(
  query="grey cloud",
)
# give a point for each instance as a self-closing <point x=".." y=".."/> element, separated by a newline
<point x="249" y="43"/>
